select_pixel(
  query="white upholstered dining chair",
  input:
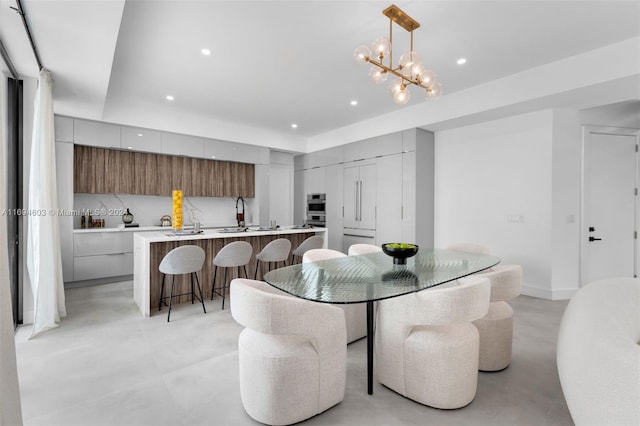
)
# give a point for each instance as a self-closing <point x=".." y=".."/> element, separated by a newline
<point x="355" y="314"/>
<point x="292" y="353"/>
<point x="426" y="347"/>
<point x="469" y="248"/>
<point x="496" y="328"/>
<point x="356" y="249"/>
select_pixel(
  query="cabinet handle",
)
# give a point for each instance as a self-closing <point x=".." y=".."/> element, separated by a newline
<point x="360" y="204"/>
<point x="355" y="198"/>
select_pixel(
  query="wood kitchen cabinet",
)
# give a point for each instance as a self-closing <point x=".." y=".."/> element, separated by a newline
<point x="89" y="170"/>
<point x="163" y="175"/>
<point x="144" y="173"/>
<point x="107" y="171"/>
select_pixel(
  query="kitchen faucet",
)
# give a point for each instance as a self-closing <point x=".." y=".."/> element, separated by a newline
<point x="240" y="216"/>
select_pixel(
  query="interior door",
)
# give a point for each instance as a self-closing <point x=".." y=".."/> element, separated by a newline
<point x="610" y="204"/>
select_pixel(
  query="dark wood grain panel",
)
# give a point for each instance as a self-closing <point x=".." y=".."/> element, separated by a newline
<point x="113" y="168"/>
<point x="101" y="170"/>
<point x="163" y="175"/>
<point x="211" y="246"/>
<point x="80" y="166"/>
<point x="126" y="173"/>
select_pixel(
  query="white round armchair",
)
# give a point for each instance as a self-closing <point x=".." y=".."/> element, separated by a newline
<point x="427" y="348"/>
<point x="496" y="328"/>
<point x="292" y="353"/>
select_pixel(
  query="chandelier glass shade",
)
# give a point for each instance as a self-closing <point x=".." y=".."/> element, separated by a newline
<point x="409" y="70"/>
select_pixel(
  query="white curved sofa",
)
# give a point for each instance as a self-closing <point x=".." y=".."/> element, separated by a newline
<point x="598" y="353"/>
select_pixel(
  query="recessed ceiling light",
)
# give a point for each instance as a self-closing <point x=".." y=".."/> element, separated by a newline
<point x="461" y="61"/>
<point x="354" y="103"/>
<point x="206" y="52"/>
<point x="140" y="134"/>
<point x="169" y="97"/>
<point x="213" y="156"/>
<point x="294" y="126"/>
<point x="129" y="147"/>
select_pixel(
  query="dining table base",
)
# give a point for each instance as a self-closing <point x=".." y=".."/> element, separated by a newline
<point x="370" y="347"/>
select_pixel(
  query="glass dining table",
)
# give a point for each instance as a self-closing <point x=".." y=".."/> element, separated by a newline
<point x="371" y="277"/>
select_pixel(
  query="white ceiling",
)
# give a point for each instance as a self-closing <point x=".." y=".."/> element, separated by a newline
<point x="280" y="62"/>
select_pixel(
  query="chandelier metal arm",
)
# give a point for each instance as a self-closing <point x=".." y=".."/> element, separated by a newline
<point x="393" y="71"/>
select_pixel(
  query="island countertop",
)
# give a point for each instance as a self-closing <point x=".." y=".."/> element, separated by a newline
<point x="150" y="247"/>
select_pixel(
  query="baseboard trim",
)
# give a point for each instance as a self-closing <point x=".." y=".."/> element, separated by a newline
<point x="548" y="294"/>
<point x="97" y="281"/>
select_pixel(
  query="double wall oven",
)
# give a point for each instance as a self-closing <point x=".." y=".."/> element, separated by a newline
<point x="316" y="209"/>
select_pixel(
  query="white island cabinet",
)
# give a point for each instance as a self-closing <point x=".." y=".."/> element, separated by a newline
<point x="149" y="248"/>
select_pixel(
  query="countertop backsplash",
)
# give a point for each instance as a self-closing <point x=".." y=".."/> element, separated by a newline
<point x="148" y="209"/>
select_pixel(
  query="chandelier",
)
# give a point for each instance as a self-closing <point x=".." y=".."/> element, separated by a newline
<point x="409" y="70"/>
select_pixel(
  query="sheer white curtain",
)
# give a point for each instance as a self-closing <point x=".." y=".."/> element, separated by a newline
<point x="10" y="411"/>
<point x="43" y="244"/>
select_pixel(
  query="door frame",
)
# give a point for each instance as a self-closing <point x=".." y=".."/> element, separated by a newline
<point x="587" y="131"/>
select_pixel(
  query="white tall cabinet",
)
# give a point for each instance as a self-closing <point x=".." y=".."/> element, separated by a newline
<point x="397" y="175"/>
<point x="334" y="206"/>
<point x="389" y="193"/>
<point x="360" y="196"/>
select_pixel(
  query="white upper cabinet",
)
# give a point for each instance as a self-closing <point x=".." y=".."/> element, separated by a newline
<point x="189" y="146"/>
<point x="334" y="155"/>
<point x="317" y="159"/>
<point x="64" y="129"/>
<point x="359" y="150"/>
<point x="299" y="162"/>
<point x="218" y="150"/>
<point x="388" y="144"/>
<point x="409" y="138"/>
<point x="138" y="139"/>
<point x="96" y="134"/>
<point x="251" y="154"/>
<point x="316" y="183"/>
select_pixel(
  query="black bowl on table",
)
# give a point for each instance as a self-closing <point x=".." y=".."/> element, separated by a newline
<point x="400" y="251"/>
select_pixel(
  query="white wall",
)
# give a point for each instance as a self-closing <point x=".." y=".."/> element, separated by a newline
<point x="565" y="210"/>
<point x="490" y="173"/>
<point x="281" y="188"/>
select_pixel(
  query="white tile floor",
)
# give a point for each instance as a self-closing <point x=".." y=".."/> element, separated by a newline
<point x="107" y="365"/>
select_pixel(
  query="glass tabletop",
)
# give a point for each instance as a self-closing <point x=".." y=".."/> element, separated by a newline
<point x="368" y="277"/>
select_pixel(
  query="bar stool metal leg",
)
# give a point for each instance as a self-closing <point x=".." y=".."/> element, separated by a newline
<point x="224" y="288"/>
<point x="161" y="294"/>
<point x="255" y="275"/>
<point x="200" y="291"/>
<point x="173" y="277"/>
<point x="213" y="286"/>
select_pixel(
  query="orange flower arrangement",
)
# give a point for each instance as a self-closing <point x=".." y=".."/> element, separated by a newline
<point x="177" y="209"/>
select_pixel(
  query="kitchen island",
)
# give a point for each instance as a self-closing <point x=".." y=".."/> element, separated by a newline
<point x="150" y="247"/>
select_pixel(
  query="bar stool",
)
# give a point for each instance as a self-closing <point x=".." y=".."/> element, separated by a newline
<point x="311" y="243"/>
<point x="276" y="251"/>
<point x="235" y="254"/>
<point x="181" y="260"/>
<point x="357" y="249"/>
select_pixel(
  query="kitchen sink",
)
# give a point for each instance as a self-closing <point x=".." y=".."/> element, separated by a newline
<point x="232" y="230"/>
